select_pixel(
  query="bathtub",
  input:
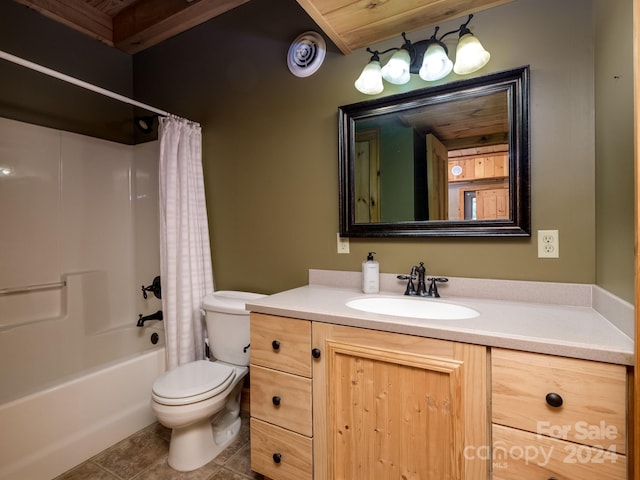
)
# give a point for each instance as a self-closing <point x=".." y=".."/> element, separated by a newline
<point x="69" y="389"/>
<point x="48" y="432"/>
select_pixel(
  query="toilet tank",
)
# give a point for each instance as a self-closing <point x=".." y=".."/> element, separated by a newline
<point x="227" y="322"/>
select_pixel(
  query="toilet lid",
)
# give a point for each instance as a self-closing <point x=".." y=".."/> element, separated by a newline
<point x="194" y="378"/>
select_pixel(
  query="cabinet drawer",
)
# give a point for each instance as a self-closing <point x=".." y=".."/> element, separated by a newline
<point x="519" y="455"/>
<point x="281" y="343"/>
<point x="281" y="398"/>
<point x="593" y="397"/>
<point x="294" y="451"/>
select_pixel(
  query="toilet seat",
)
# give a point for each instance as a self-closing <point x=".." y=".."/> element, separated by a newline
<point x="192" y="382"/>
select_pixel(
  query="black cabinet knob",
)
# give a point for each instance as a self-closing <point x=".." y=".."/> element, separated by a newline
<point x="277" y="457"/>
<point x="275" y="345"/>
<point x="552" y="478"/>
<point x="276" y="400"/>
<point x="554" y="400"/>
<point x="315" y="353"/>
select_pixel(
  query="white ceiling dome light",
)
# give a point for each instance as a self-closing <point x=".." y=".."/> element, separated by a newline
<point x="306" y="54"/>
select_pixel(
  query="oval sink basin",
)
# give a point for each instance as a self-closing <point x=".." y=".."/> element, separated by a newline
<point x="412" y="307"/>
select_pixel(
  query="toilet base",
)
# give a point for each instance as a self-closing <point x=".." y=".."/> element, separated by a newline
<point x="196" y="445"/>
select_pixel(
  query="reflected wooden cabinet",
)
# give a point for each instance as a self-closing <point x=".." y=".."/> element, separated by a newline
<point x="481" y="163"/>
<point x="492" y="203"/>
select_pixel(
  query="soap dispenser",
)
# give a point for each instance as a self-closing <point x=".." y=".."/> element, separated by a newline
<point x="370" y="275"/>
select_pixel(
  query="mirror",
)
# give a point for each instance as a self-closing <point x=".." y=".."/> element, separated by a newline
<point x="447" y="160"/>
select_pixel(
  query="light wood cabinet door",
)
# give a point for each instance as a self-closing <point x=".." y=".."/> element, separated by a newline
<point x="492" y="203"/>
<point x="397" y="406"/>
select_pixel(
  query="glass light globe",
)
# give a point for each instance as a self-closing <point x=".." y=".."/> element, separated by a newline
<point x="396" y="70"/>
<point x="470" y="55"/>
<point x="370" y="80"/>
<point x="435" y="64"/>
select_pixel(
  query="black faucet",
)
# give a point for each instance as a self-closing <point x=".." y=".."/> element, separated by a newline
<point x="419" y="272"/>
<point x="153" y="316"/>
<point x="422" y="288"/>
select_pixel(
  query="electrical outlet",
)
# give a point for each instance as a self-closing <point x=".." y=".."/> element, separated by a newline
<point x="548" y="244"/>
<point x="343" y="244"/>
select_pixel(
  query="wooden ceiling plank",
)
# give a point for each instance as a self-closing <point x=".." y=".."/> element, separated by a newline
<point x="149" y="22"/>
<point x="133" y="25"/>
<point x="312" y="9"/>
<point x="427" y="12"/>
<point x="77" y="15"/>
<point x="360" y="24"/>
<point x="110" y="7"/>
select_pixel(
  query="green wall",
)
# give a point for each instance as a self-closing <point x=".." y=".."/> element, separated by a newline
<point x="33" y="97"/>
<point x="614" y="147"/>
<point x="271" y="144"/>
<point x="271" y="156"/>
<point x="396" y="185"/>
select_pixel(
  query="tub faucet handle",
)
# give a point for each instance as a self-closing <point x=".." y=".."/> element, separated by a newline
<point x="154" y="288"/>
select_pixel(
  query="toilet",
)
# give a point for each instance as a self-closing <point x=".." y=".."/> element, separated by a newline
<point x="200" y="400"/>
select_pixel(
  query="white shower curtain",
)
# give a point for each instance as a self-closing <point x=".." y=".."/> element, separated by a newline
<point x="185" y="256"/>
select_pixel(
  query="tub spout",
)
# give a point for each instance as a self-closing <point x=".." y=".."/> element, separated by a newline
<point x="153" y="316"/>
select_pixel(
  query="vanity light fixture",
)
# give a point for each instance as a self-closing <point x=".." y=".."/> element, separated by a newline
<point x="428" y="58"/>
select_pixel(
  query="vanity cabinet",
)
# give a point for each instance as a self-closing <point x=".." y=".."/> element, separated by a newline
<point x="336" y="402"/>
<point x="557" y="418"/>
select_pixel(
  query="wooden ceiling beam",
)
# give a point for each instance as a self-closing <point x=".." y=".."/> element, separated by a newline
<point x="78" y="15"/>
<point x="148" y="22"/>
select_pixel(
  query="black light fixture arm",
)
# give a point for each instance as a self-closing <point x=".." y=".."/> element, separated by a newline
<point x="462" y="29"/>
<point x="418" y="49"/>
<point x="375" y="54"/>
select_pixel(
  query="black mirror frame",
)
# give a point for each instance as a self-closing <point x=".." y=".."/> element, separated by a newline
<point x="516" y="83"/>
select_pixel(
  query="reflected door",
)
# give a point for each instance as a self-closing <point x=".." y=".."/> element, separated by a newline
<point x="367" y="177"/>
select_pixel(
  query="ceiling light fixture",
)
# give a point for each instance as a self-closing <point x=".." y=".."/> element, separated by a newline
<point x="427" y="58"/>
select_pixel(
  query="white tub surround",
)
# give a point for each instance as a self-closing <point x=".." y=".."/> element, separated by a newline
<point x="51" y="431"/>
<point x="571" y="320"/>
<point x="75" y="370"/>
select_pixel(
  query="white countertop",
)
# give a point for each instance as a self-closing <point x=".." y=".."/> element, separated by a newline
<point x="568" y="330"/>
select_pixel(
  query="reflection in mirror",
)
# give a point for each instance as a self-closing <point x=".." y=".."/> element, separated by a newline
<point x="446" y="160"/>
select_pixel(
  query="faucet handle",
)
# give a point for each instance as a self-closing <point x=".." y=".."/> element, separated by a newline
<point x="433" y="286"/>
<point x="411" y="290"/>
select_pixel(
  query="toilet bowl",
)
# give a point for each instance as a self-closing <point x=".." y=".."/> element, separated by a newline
<point x="200" y="400"/>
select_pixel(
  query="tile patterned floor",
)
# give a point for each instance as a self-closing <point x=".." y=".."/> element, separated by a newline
<point x="143" y="456"/>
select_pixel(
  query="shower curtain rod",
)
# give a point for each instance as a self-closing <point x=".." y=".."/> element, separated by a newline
<point x="80" y="83"/>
